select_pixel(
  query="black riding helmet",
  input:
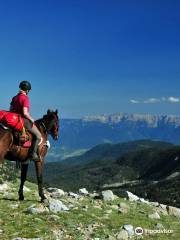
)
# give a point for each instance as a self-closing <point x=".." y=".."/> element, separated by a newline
<point x="25" y="86"/>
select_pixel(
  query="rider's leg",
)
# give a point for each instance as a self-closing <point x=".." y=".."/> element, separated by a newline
<point x="34" y="130"/>
<point x="36" y="133"/>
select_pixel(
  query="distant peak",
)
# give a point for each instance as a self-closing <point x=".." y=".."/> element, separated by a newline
<point x="133" y="117"/>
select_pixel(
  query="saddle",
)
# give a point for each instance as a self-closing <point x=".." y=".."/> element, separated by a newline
<point x="21" y="139"/>
<point x="14" y="122"/>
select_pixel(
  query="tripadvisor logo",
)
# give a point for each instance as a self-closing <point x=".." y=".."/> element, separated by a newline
<point x="139" y="231"/>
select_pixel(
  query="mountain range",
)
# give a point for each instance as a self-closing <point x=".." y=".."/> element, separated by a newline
<point x="130" y="151"/>
<point x="79" y="135"/>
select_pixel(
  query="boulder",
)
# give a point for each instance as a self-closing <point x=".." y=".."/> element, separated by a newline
<point x="143" y="200"/>
<point x="159" y="226"/>
<point x="108" y="195"/>
<point x="122" y="235"/>
<point x="155" y="204"/>
<point x="83" y="191"/>
<point x="36" y="210"/>
<point x="173" y="211"/>
<point x="74" y="195"/>
<point x="56" y="192"/>
<point x="130" y="229"/>
<point x="56" y="206"/>
<point x="129" y="196"/>
<point x="154" y="215"/>
<point x="95" y="195"/>
<point x="53" y="218"/>
<point x="162" y="209"/>
<point x="123" y="208"/>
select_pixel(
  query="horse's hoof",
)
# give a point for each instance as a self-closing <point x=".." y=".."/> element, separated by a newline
<point x="21" y="198"/>
<point x="43" y="199"/>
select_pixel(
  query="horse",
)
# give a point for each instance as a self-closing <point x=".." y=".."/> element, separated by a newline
<point x="47" y="125"/>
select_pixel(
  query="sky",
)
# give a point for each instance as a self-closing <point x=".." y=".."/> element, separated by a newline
<point x="91" y="57"/>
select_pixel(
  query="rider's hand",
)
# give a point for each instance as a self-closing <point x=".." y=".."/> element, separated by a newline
<point x="32" y="121"/>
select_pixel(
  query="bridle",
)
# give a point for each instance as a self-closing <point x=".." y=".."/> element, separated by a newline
<point x="48" y="129"/>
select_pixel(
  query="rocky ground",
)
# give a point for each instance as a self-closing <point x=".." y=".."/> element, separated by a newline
<point x="83" y="216"/>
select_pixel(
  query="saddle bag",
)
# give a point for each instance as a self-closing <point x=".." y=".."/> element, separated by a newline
<point x="12" y="120"/>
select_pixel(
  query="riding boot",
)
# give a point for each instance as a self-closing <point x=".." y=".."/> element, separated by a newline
<point x="34" y="154"/>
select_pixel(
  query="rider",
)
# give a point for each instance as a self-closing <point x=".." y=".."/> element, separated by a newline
<point x="20" y="104"/>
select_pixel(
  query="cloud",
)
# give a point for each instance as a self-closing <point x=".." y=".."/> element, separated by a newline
<point x="157" y="100"/>
<point x="134" y="101"/>
<point x="173" y="100"/>
<point x="152" y="100"/>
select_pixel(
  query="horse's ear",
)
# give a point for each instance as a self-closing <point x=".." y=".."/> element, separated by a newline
<point x="48" y="112"/>
<point x="56" y="112"/>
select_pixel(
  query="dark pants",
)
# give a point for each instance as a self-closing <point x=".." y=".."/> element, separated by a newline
<point x="32" y="128"/>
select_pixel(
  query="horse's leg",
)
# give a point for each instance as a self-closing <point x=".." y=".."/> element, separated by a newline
<point x="39" y="173"/>
<point x="24" y="168"/>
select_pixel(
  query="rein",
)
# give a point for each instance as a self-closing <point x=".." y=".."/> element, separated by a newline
<point x="44" y="126"/>
<point x="40" y="123"/>
<point x="47" y="125"/>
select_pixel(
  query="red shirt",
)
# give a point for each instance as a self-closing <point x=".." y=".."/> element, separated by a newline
<point x="18" y="102"/>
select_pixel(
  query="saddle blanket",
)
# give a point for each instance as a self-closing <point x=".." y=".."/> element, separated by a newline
<point x="12" y="120"/>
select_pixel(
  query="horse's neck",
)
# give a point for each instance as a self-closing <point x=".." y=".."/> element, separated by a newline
<point x="41" y="125"/>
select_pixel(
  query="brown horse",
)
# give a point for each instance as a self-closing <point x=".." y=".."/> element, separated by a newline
<point x="49" y="124"/>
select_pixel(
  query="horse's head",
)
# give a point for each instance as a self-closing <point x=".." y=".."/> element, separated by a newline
<point x="52" y="123"/>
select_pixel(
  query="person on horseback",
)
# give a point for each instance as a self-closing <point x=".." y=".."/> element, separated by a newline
<point x="21" y="104"/>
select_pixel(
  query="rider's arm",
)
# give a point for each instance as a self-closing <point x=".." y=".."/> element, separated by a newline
<point x="27" y="115"/>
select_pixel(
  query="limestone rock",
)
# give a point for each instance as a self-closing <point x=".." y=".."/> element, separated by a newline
<point x="123" y="208"/>
<point x="173" y="211"/>
<point x="130" y="229"/>
<point x="58" y="234"/>
<point x="159" y="226"/>
<point x="74" y="195"/>
<point x="155" y="204"/>
<point x="83" y="191"/>
<point x="115" y="207"/>
<point x="154" y="215"/>
<point x="143" y="200"/>
<point x="56" y="192"/>
<point x="108" y="195"/>
<point x="162" y="209"/>
<point x="122" y="235"/>
<point x="95" y="195"/>
<point x="163" y="206"/>
<point x="56" y="206"/>
<point x="53" y="218"/>
<point x="129" y="196"/>
<point x="36" y="210"/>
